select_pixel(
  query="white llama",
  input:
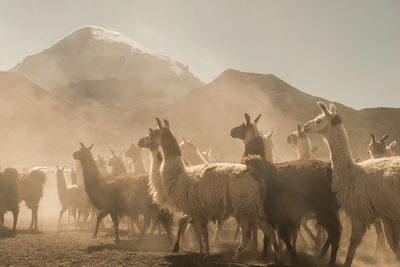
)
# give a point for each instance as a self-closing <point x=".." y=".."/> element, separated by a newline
<point x="366" y="190"/>
<point x="213" y="192"/>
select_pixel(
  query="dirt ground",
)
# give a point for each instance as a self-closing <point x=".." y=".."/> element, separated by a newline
<point x="68" y="247"/>
<point x="65" y="246"/>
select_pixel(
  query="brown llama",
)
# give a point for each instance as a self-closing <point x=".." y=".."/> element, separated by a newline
<point x="9" y="195"/>
<point x="378" y="149"/>
<point x="31" y="191"/>
<point x="116" y="164"/>
<point x="135" y="154"/>
<point x="305" y="186"/>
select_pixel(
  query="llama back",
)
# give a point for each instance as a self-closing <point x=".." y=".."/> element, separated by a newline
<point x="31" y="188"/>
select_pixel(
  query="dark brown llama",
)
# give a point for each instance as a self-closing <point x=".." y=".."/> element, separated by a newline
<point x="9" y="195"/>
<point x="31" y="191"/>
<point x="305" y="186"/>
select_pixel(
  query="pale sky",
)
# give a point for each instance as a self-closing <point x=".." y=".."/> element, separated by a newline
<point x="346" y="51"/>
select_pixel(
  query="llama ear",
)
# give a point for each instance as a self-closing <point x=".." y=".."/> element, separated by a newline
<point x="120" y="154"/>
<point x="63" y="168"/>
<point x="246" y="119"/>
<point x="332" y="109"/>
<point x="166" y="123"/>
<point x="323" y="107"/>
<point x="159" y="123"/>
<point x="373" y="139"/>
<point x="82" y="145"/>
<point x="151" y="130"/>
<point x="299" y="127"/>
<point x="192" y="138"/>
<point x="112" y="152"/>
<point x="257" y="119"/>
<point x="58" y="168"/>
<point x="384" y="137"/>
<point x="91" y="146"/>
<point x="271" y="133"/>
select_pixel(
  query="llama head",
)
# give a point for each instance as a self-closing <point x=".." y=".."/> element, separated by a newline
<point x="268" y="139"/>
<point x="188" y="148"/>
<point x="115" y="159"/>
<point x="247" y="130"/>
<point x="83" y="153"/>
<point x="168" y="143"/>
<point x="151" y="141"/>
<point x="297" y="136"/>
<point x="59" y="171"/>
<point x="377" y="147"/>
<point x="323" y="122"/>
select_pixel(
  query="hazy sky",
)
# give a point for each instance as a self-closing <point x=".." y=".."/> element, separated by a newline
<point x="346" y="51"/>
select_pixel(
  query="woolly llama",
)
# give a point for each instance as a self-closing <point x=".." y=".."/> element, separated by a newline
<point x="9" y="195"/>
<point x="31" y="191"/>
<point x="135" y="154"/>
<point x="190" y="152"/>
<point x="68" y="195"/>
<point x="213" y="192"/>
<point x="291" y="181"/>
<point x="366" y="190"/>
<point x="378" y="149"/>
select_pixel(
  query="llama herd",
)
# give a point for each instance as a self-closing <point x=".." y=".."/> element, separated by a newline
<point x="276" y="198"/>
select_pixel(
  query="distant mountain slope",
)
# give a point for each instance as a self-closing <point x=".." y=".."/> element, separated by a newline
<point x="39" y="128"/>
<point x="94" y="53"/>
<point x="211" y="111"/>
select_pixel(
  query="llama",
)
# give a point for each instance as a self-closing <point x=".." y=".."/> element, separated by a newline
<point x="102" y="165"/>
<point x="116" y="164"/>
<point x="303" y="148"/>
<point x="146" y="207"/>
<point x="268" y="146"/>
<point x="68" y="195"/>
<point x="190" y="152"/>
<point x="74" y="177"/>
<point x="292" y="178"/>
<point x="366" y="190"/>
<point x="9" y="195"/>
<point x="211" y="157"/>
<point x="378" y="149"/>
<point x="31" y="191"/>
<point x="213" y="192"/>
<point x="135" y="154"/>
<point x="118" y="196"/>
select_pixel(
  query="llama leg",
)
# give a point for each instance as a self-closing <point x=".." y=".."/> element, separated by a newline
<point x="358" y="229"/>
<point x="15" y="218"/>
<point x="2" y="219"/>
<point x="74" y="216"/>
<point x="198" y="230"/>
<point x="220" y="224"/>
<point x="236" y="233"/>
<point x="146" y="224"/>
<point x="392" y="235"/>
<point x="182" y="224"/>
<point x="266" y="247"/>
<point x="31" y="225"/>
<point x="115" y="220"/>
<point x="36" y="218"/>
<point x="246" y="233"/>
<point x="333" y="228"/>
<point x="63" y="209"/>
<point x="99" y="219"/>
<point x="254" y="240"/>
<point x="204" y="233"/>
<point x="270" y="232"/>
<point x="380" y="238"/>
<point x="285" y="236"/>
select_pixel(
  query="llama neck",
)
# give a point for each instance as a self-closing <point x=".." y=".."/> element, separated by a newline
<point x="269" y="156"/>
<point x="255" y="147"/>
<point x="91" y="178"/>
<point x="340" y="152"/>
<point x="173" y="160"/>
<point x="155" y="163"/>
<point x="304" y="149"/>
<point x="61" y="186"/>
<point x="138" y="164"/>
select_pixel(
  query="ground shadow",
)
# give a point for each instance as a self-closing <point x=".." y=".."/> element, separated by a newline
<point x="9" y="233"/>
